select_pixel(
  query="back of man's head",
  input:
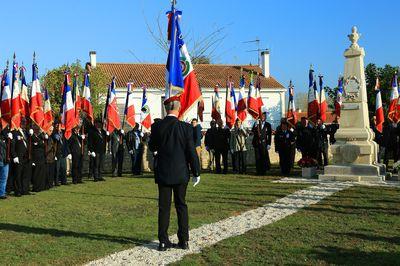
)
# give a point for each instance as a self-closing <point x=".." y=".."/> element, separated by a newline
<point x="173" y="107"/>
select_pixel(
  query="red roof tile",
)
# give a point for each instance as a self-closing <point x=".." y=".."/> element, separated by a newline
<point x="208" y="75"/>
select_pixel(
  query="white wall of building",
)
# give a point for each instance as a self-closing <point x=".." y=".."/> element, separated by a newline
<point x="274" y="100"/>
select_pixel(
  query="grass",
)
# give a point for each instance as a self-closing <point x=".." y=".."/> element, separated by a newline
<point x="358" y="226"/>
<point x="78" y="223"/>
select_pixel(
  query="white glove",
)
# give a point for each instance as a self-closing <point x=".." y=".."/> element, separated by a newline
<point x="89" y="153"/>
<point x="196" y="180"/>
<point x="69" y="156"/>
<point x="16" y="160"/>
<point x="141" y="134"/>
<point x="93" y="154"/>
<point x="31" y="131"/>
<point x="83" y="137"/>
<point x="19" y="138"/>
<point x="292" y="129"/>
<point x="298" y="150"/>
<point x="107" y="133"/>
<point x="131" y="152"/>
<point x="33" y="164"/>
<point x="268" y="147"/>
<point x="323" y="126"/>
<point x="55" y="158"/>
<point x="122" y="131"/>
<point x="46" y="136"/>
<point x="10" y="136"/>
<point x="155" y="153"/>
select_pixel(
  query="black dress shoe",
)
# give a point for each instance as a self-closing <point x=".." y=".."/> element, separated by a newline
<point x="165" y="246"/>
<point x="183" y="245"/>
<point x="3" y="197"/>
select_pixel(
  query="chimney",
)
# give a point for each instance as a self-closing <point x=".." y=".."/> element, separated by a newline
<point x="265" y="63"/>
<point x="93" y="58"/>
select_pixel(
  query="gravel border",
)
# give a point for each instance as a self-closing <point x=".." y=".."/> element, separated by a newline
<point x="210" y="234"/>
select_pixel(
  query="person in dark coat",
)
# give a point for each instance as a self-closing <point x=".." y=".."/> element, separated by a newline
<point x="391" y="142"/>
<point x="172" y="141"/>
<point x="322" y="141"/>
<point x="135" y="149"/>
<point x="262" y="136"/>
<point x="379" y="138"/>
<point x="51" y="149"/>
<point x="284" y="142"/>
<point x="332" y="129"/>
<point x="209" y="142"/>
<point x="5" y="137"/>
<point x="38" y="159"/>
<point x="62" y="154"/>
<point x="75" y="146"/>
<point x="97" y="143"/>
<point x="222" y="143"/>
<point x="21" y="166"/>
<point x="306" y="139"/>
<point x="197" y="135"/>
<point x="117" y="152"/>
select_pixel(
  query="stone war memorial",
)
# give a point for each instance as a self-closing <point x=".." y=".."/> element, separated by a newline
<point x="355" y="152"/>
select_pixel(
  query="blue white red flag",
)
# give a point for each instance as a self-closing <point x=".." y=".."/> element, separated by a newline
<point x="216" y="105"/>
<point x="394" y="98"/>
<point x="16" y="99"/>
<point x="339" y="97"/>
<point x="87" y="107"/>
<point x="313" y="99"/>
<point x="323" y="106"/>
<point x="36" y="103"/>
<point x="68" y="108"/>
<point x="291" y="114"/>
<point x="230" y="105"/>
<point x="112" y="116"/>
<point x="24" y="93"/>
<point x="48" y="114"/>
<point x="241" y="106"/>
<point x="5" y="100"/>
<point x="378" y="108"/>
<point x="145" y="116"/>
<point x="130" y="107"/>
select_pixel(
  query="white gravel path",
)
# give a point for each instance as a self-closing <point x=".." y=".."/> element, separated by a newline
<point x="209" y="234"/>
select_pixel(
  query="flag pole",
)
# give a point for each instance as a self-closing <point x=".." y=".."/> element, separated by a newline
<point x="9" y="140"/>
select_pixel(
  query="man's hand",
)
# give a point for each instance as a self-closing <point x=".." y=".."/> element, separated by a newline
<point x="107" y="133"/>
<point x="196" y="180"/>
<point x="16" y="160"/>
<point x="69" y="156"/>
<point x="131" y="152"/>
<point x="55" y="158"/>
<point x="31" y="131"/>
<point x="83" y="137"/>
<point x="93" y="154"/>
<point x="10" y="136"/>
<point x="122" y="131"/>
<point x="46" y="136"/>
<point x="268" y="147"/>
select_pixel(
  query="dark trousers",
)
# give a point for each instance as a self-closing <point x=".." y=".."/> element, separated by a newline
<point x="137" y="164"/>
<point x="10" y="179"/>
<point x="164" y="209"/>
<point x="218" y="155"/>
<point x="91" y="162"/>
<point x="117" y="161"/>
<point x="98" y="162"/>
<point x="323" y="153"/>
<point x="392" y="149"/>
<point x="263" y="164"/>
<point x="76" y="168"/>
<point x="240" y="161"/>
<point x="285" y="160"/>
<point x="51" y="171"/>
<point x="60" y="175"/>
<point x="235" y="169"/>
<point x="39" y="177"/>
<point x="17" y="170"/>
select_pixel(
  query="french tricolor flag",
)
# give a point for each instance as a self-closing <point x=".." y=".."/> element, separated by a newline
<point x="230" y="105"/>
<point x="145" y="117"/>
<point x="5" y="100"/>
<point x="76" y="98"/>
<point x="129" y="107"/>
<point x="291" y="114"/>
<point x="241" y="106"/>
<point x="378" y="107"/>
<point x="216" y="107"/>
<point x="393" y="111"/>
<point x="252" y="100"/>
<point x="260" y="102"/>
<point x="36" y="103"/>
<point x="87" y="107"/>
<point x="323" y="104"/>
<point x="24" y="93"/>
<point x="68" y="108"/>
<point x="313" y="99"/>
<point x="48" y="115"/>
<point x="113" y="121"/>
<point x="339" y="97"/>
<point x="16" y="99"/>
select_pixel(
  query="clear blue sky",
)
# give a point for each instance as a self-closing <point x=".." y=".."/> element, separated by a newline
<point x="298" y="32"/>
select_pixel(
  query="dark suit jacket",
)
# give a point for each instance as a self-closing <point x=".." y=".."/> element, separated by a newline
<point x="19" y="147"/>
<point x="173" y="141"/>
<point x="38" y="151"/>
<point x="75" y="144"/>
<point x="97" y="140"/>
<point x="263" y="136"/>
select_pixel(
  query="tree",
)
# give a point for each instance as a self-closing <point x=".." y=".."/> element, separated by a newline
<point x="385" y="79"/>
<point x="54" y="79"/>
<point x="301" y="101"/>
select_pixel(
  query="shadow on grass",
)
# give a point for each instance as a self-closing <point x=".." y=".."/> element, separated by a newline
<point x="343" y="256"/>
<point x="104" y="195"/>
<point x="62" y="233"/>
<point x="371" y="237"/>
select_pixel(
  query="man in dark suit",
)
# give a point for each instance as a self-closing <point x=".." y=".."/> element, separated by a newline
<point x="262" y="132"/>
<point x="284" y="142"/>
<point x="306" y="139"/>
<point x="38" y="159"/>
<point x="222" y="143"/>
<point x="117" y="152"/>
<point x="322" y="141"/>
<point x="75" y="146"/>
<point x="97" y="143"/>
<point x="172" y="141"/>
<point x="135" y="147"/>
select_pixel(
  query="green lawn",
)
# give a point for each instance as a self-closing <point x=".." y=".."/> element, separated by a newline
<point x="78" y="223"/>
<point x="358" y="226"/>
